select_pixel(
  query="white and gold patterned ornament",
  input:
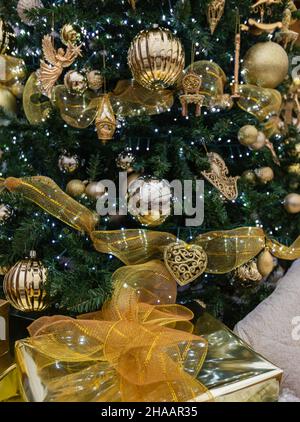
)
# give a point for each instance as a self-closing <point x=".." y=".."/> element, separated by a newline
<point x="24" y="6"/>
<point x="75" y="82"/>
<point x="185" y="262"/>
<point x="68" y="163"/>
<point x="5" y="212"/>
<point x="218" y="177"/>
<point x="191" y="84"/>
<point x="125" y="160"/>
<point x="95" y="80"/>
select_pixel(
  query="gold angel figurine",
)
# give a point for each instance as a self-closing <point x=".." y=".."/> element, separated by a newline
<point x="58" y="60"/>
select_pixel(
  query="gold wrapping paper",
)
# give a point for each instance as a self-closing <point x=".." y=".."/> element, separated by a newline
<point x="129" y="351"/>
<point x="232" y="371"/>
<point x="226" y="250"/>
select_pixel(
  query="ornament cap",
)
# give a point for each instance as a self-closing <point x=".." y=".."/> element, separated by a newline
<point x="32" y="254"/>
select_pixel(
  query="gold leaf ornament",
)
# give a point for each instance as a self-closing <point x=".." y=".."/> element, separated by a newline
<point x="185" y="262"/>
<point x="218" y="177"/>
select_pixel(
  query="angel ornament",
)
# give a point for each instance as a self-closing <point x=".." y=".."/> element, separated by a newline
<point x="55" y="62"/>
<point x="287" y="36"/>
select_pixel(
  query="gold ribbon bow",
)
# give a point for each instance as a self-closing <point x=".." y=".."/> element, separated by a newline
<point x="225" y="250"/>
<point x="132" y="350"/>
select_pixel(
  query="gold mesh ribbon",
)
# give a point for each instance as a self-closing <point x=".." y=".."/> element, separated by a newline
<point x="226" y="250"/>
<point x="132" y="350"/>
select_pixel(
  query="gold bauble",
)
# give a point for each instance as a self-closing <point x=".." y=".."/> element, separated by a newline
<point x="69" y="35"/>
<point x="149" y="200"/>
<point x="75" y="188"/>
<point x="68" y="163"/>
<point x="23" y="285"/>
<point x="75" y="82"/>
<point x="95" y="80"/>
<point x="264" y="174"/>
<point x="266" y="64"/>
<point x="292" y="203"/>
<point x="9" y="104"/>
<point x="265" y="263"/>
<point x="156" y="58"/>
<point x="249" y="176"/>
<point x="248" y="135"/>
<point x="95" y="190"/>
<point x="24" y="6"/>
<point x="260" y="142"/>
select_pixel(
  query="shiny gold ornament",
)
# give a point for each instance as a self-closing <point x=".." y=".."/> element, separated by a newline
<point x="95" y="190"/>
<point x="265" y="263"/>
<point x="76" y="188"/>
<point x="12" y="74"/>
<point x="23" y="285"/>
<point x="58" y="60"/>
<point x="105" y="119"/>
<point x="249" y="176"/>
<point x="156" y="58"/>
<point x="264" y="174"/>
<point x="248" y="272"/>
<point x="125" y="160"/>
<point x="215" y="12"/>
<point x="292" y="203"/>
<point x="191" y="84"/>
<point x="69" y="35"/>
<point x="149" y="200"/>
<point x="259" y="68"/>
<point x="5" y="213"/>
<point x="75" y="82"/>
<point x="286" y="36"/>
<point x="68" y="163"/>
<point x="218" y="177"/>
<point x="24" y="6"/>
<point x="37" y="107"/>
<point x="95" y="80"/>
<point x="185" y="262"/>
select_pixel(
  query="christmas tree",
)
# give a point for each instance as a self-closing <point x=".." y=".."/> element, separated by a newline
<point x="164" y="130"/>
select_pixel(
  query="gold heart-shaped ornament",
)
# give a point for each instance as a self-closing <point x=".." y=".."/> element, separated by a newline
<point x="185" y="262"/>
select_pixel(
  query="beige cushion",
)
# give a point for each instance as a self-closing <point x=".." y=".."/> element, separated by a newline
<point x="271" y="329"/>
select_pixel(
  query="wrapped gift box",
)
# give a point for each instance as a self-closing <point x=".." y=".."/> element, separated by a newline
<point x="232" y="371"/>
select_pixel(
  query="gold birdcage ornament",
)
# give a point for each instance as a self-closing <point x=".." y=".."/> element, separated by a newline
<point x="215" y="11"/>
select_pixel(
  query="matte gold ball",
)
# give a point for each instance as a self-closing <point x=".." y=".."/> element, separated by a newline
<point x="292" y="203"/>
<point x="95" y="190"/>
<point x="75" y="188"/>
<point x="266" y="64"/>
<point x="156" y="58"/>
<point x="23" y="285"/>
<point x="264" y="174"/>
<point x="248" y="135"/>
<point x="260" y="142"/>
